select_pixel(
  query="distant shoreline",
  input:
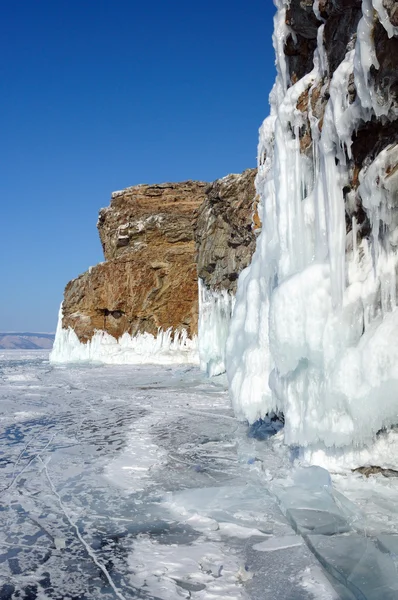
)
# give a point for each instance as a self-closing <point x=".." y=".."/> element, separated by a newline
<point x="28" y="340"/>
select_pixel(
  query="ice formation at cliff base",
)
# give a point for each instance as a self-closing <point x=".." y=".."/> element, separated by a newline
<point x="314" y="332"/>
<point x="144" y="348"/>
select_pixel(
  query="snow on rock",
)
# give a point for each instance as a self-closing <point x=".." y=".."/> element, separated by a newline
<point x="314" y="331"/>
<point x="383" y="453"/>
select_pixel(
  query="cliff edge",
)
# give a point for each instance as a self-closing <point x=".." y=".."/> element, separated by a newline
<point x="155" y="239"/>
<point x="148" y="280"/>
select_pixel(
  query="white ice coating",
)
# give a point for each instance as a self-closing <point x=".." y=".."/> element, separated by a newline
<point x="365" y="58"/>
<point x="144" y="348"/>
<point x="383" y="18"/>
<point x="314" y="332"/>
<point x="215" y="308"/>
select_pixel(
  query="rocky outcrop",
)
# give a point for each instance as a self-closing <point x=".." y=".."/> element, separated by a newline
<point x="224" y="232"/>
<point x="149" y="216"/>
<point x="155" y="238"/>
<point x="375" y="470"/>
<point x="149" y="279"/>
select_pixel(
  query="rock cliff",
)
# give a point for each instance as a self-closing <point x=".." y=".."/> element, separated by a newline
<point x="224" y="230"/>
<point x="153" y="237"/>
<point x="149" y="277"/>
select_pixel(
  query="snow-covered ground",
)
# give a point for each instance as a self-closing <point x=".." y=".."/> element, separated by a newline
<point x="138" y="482"/>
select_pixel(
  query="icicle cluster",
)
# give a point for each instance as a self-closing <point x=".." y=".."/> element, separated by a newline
<point x="215" y="308"/>
<point x="314" y="331"/>
<point x="144" y="348"/>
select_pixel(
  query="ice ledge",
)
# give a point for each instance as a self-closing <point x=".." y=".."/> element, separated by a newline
<point x="167" y="347"/>
<point x="382" y="453"/>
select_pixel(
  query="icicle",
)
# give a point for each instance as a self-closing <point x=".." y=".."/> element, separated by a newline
<point x="140" y="349"/>
<point x="354" y="239"/>
<point x="365" y="58"/>
<point x="383" y="18"/>
<point x="215" y="309"/>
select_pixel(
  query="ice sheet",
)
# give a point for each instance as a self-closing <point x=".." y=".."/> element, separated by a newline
<point x="121" y="481"/>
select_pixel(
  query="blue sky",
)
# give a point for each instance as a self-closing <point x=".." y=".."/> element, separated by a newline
<point x="99" y="95"/>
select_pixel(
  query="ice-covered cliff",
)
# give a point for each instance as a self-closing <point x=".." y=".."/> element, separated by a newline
<point x="314" y="332"/>
<point x="225" y="241"/>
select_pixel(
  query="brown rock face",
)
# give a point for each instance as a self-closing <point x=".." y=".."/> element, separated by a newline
<point x="149" y="279"/>
<point x="149" y="215"/>
<point x="224" y="232"/>
<point x="152" y="237"/>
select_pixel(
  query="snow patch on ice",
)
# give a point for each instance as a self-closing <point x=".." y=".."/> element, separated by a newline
<point x="315" y="582"/>
<point x="133" y="467"/>
<point x="169" y="572"/>
<point x="26" y="415"/>
<point x="239" y="531"/>
<point x="208" y="525"/>
<point x="201" y="523"/>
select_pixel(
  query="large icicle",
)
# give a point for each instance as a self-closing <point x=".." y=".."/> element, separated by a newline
<point x="215" y="308"/>
<point x="314" y="331"/>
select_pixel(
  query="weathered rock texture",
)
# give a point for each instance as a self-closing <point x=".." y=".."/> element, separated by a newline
<point x="149" y="278"/>
<point x="224" y="231"/>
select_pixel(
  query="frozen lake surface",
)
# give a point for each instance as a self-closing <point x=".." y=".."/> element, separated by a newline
<point x="138" y="482"/>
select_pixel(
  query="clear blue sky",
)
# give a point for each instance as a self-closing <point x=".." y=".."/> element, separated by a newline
<point x="98" y="95"/>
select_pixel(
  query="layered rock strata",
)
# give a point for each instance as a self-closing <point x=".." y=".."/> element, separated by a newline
<point x="149" y="279"/>
<point x="155" y="239"/>
<point x="225" y="230"/>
